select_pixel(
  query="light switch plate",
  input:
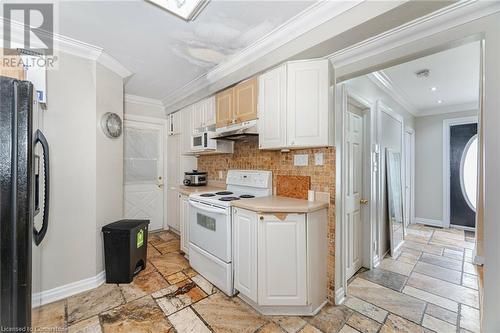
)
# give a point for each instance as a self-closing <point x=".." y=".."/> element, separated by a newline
<point x="318" y="158"/>
<point x="301" y="160"/>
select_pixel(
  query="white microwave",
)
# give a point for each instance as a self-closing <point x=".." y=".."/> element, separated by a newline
<point x="203" y="141"/>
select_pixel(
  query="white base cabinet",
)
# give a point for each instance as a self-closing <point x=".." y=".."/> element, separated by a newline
<point x="280" y="264"/>
<point x="184" y="217"/>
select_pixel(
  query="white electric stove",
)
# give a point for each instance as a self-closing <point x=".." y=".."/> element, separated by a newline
<point x="210" y="224"/>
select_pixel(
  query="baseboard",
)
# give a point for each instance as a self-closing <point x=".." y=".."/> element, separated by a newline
<point x="376" y="261"/>
<point x="477" y="260"/>
<point x="339" y="296"/>
<point x="431" y="222"/>
<point x="70" y="289"/>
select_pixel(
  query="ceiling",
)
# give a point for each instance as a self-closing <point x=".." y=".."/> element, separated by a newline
<point x="454" y="73"/>
<point x="164" y="52"/>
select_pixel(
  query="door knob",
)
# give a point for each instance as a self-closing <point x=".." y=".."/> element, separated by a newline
<point x="363" y="201"/>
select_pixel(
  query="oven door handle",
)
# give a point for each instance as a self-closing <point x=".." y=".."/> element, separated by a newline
<point x="206" y="208"/>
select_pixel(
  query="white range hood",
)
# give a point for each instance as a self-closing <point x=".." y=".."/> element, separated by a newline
<point x="237" y="131"/>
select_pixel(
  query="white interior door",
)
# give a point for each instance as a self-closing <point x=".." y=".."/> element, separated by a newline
<point x="143" y="172"/>
<point x="353" y="187"/>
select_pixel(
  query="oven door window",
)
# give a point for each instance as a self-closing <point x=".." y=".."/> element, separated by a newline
<point x="206" y="222"/>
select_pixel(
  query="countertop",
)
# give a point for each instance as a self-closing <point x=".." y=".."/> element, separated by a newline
<point x="275" y="204"/>
<point x="187" y="190"/>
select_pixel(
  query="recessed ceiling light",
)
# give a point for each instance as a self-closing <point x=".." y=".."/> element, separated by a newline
<point x="185" y="9"/>
<point x="434" y="88"/>
<point x="439" y="101"/>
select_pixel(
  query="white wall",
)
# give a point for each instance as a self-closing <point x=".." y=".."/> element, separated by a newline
<point x="429" y="164"/>
<point x="144" y="110"/>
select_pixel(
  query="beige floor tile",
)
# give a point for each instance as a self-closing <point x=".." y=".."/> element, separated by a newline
<point x="173" y="246"/>
<point x="90" y="325"/>
<point x="396" y="266"/>
<point x="438" y="325"/>
<point x="167" y="236"/>
<point x="438" y="272"/>
<point x="469" y="318"/>
<point x="176" y="278"/>
<point x="203" y="283"/>
<point x="152" y="251"/>
<point x="186" y="321"/>
<point x="93" y="302"/>
<point x="388" y="299"/>
<point x="290" y="324"/>
<point x="348" y="329"/>
<point x="369" y="310"/>
<point x="396" y="324"/>
<point x="178" y="296"/>
<point x="190" y="272"/>
<point x="469" y="280"/>
<point x="457" y="255"/>
<point x="225" y="314"/>
<point x="169" y="263"/>
<point x="143" y="285"/>
<point x="419" y="232"/>
<point x="271" y="328"/>
<point x="431" y="298"/>
<point x="470" y="268"/>
<point x="50" y="317"/>
<point x="445" y="289"/>
<point x="310" y="329"/>
<point x="441" y="313"/>
<point x="434" y="249"/>
<point x="363" y="323"/>
<point x="455" y="234"/>
<point x="140" y="316"/>
<point x="331" y="318"/>
<point x="408" y="258"/>
<point x="442" y="261"/>
<point x="148" y="270"/>
<point x="417" y="238"/>
<point x="445" y="241"/>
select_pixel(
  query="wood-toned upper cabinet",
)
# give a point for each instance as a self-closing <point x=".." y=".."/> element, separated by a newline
<point x="245" y="100"/>
<point x="224" y="107"/>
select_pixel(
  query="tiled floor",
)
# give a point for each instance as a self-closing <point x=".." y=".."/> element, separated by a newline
<point x="430" y="286"/>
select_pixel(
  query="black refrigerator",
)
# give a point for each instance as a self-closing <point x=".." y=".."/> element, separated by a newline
<point x="24" y="200"/>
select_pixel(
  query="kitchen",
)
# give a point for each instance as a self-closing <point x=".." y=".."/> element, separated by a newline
<point x="226" y="143"/>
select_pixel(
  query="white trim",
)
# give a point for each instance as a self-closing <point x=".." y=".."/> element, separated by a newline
<point x="114" y="65"/>
<point x="411" y="131"/>
<point x="471" y="106"/>
<point x="67" y="290"/>
<point x="135" y="99"/>
<point x="448" y="17"/>
<point x="447" y="123"/>
<point x="145" y="119"/>
<point x="381" y="80"/>
<point x="307" y="20"/>
<point x="431" y="222"/>
<point x="340" y="295"/>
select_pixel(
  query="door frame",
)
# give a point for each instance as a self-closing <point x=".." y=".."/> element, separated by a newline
<point x="343" y="94"/>
<point x="161" y="122"/>
<point x="447" y="123"/>
<point x="411" y="132"/>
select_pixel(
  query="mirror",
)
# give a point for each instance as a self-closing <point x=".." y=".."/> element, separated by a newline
<point x="394" y="199"/>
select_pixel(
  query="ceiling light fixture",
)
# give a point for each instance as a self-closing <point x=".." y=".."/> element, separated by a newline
<point x="434" y="88"/>
<point x="439" y="101"/>
<point x="422" y="74"/>
<point x="187" y="10"/>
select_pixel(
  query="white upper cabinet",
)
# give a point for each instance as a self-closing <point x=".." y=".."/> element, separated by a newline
<point x="186" y="129"/>
<point x="174" y="123"/>
<point x="209" y="118"/>
<point x="203" y="114"/>
<point x="272" y="109"/>
<point x="295" y="106"/>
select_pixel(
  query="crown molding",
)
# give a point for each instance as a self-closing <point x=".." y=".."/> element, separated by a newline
<point x="385" y="83"/>
<point x="311" y="18"/>
<point x="446" y="18"/>
<point x="71" y="46"/>
<point x="461" y="107"/>
<point x="129" y="98"/>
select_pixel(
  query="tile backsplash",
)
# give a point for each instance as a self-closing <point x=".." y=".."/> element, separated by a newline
<point x="248" y="156"/>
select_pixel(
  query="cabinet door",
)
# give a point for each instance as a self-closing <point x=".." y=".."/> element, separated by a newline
<point x="272" y="109"/>
<point x="245" y="100"/>
<point x="209" y="118"/>
<point x="282" y="260"/>
<point x="308" y="103"/>
<point x="224" y="107"/>
<point x="186" y="129"/>
<point x="197" y="116"/>
<point x="184" y="223"/>
<point x="173" y="208"/>
<point x="173" y="160"/>
<point x="245" y="252"/>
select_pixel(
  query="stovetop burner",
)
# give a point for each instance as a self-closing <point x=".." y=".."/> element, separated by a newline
<point x="224" y="193"/>
<point x="229" y="198"/>
<point x="206" y="195"/>
<point x="247" y="196"/>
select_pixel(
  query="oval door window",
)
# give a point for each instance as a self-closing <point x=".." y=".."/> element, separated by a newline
<point x="468" y="172"/>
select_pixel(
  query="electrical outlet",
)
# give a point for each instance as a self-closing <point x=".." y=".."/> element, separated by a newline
<point x="301" y="160"/>
<point x="221" y="174"/>
<point x="318" y="158"/>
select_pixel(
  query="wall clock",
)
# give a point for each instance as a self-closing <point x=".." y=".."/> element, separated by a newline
<point x="111" y="125"/>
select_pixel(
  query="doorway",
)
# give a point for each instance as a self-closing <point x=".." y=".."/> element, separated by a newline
<point x="143" y="172"/>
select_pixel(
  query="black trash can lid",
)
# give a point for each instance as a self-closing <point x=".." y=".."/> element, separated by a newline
<point x="125" y="225"/>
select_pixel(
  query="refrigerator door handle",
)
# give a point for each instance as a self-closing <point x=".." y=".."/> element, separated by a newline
<point x="39" y="235"/>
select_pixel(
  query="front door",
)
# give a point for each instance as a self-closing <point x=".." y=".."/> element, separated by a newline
<point x="354" y="187"/>
<point x="143" y="172"/>
<point x="463" y="175"/>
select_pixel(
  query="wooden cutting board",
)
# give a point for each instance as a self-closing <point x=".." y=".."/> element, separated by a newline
<point x="293" y="186"/>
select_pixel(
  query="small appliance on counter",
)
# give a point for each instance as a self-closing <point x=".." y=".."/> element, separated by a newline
<point x="195" y="178"/>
